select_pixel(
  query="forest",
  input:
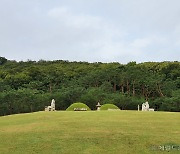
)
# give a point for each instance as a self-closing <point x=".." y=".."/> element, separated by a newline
<point x="29" y="86"/>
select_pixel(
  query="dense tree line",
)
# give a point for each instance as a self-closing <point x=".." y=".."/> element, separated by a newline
<point x="29" y="86"/>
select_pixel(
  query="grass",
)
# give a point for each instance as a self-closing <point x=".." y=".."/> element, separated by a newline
<point x="77" y="105"/>
<point x="109" y="106"/>
<point x="89" y="132"/>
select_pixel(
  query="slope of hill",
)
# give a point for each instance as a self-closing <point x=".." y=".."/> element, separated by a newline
<point x="89" y="132"/>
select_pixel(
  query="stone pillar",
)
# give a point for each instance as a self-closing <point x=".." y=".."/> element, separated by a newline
<point x="53" y="105"/>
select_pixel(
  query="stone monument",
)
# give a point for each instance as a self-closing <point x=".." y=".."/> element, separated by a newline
<point x="98" y="106"/>
<point x="52" y="107"/>
<point x="145" y="107"/>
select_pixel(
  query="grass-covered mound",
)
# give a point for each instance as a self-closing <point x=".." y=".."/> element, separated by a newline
<point x="109" y="107"/>
<point x="78" y="106"/>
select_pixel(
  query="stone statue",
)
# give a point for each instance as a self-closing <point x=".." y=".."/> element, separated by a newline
<point x="52" y="107"/>
<point x="145" y="107"/>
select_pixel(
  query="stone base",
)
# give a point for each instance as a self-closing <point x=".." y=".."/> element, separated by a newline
<point x="49" y="108"/>
<point x="80" y="109"/>
<point x="151" y="109"/>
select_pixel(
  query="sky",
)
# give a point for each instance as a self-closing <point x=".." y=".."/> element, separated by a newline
<point x="90" y="30"/>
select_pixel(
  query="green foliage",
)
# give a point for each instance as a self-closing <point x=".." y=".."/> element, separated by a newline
<point x="77" y="105"/>
<point x="29" y="86"/>
<point x="92" y="96"/>
<point x="3" y="60"/>
<point x="108" y="106"/>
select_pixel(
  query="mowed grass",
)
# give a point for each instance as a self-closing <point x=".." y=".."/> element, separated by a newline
<point x="89" y="132"/>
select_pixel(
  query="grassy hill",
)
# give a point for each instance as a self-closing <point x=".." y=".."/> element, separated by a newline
<point x="109" y="106"/>
<point x="77" y="105"/>
<point x="89" y="132"/>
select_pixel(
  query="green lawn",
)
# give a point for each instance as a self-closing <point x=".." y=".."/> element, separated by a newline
<point x="89" y="132"/>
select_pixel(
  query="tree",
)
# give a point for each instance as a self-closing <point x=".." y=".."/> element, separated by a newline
<point x="30" y="86"/>
<point x="3" y="60"/>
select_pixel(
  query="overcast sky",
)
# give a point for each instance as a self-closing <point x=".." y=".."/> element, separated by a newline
<point x="90" y="30"/>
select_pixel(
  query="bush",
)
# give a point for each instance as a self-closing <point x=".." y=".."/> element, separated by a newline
<point x="77" y="105"/>
<point x="108" y="106"/>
